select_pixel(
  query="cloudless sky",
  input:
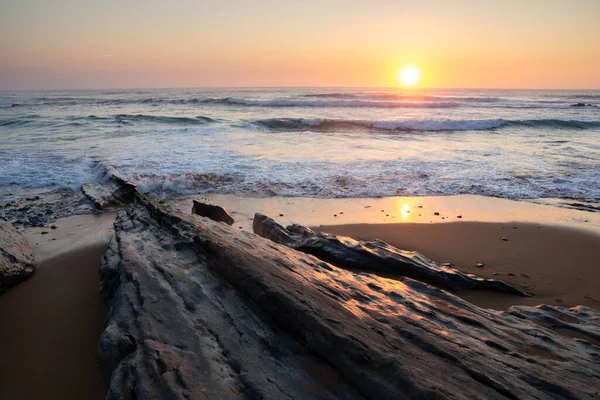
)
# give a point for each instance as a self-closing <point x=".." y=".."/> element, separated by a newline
<point x="191" y="43"/>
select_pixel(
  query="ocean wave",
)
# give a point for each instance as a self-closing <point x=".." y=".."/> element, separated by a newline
<point x="554" y="123"/>
<point x="312" y="100"/>
<point x="403" y="97"/>
<point x="337" y="103"/>
<point x="420" y="125"/>
<point x="130" y="118"/>
<point x="190" y="182"/>
<point x="585" y="96"/>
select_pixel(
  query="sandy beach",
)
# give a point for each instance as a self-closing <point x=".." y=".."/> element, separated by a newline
<point x="49" y="347"/>
<point x="559" y="266"/>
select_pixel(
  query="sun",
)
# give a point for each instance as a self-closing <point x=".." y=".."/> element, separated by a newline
<point x="408" y="76"/>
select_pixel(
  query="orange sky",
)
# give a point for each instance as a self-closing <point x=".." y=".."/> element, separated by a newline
<point x="186" y="43"/>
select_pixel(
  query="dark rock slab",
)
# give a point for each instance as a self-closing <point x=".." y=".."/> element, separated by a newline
<point x="376" y="256"/>
<point x="116" y="193"/>
<point x="44" y="208"/>
<point x="212" y="211"/>
<point x="199" y="310"/>
<point x="17" y="261"/>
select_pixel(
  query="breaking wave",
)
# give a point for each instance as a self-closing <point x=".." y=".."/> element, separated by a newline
<point x="420" y="125"/>
<point x="129" y="118"/>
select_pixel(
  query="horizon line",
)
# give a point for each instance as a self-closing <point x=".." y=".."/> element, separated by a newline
<point x="291" y="87"/>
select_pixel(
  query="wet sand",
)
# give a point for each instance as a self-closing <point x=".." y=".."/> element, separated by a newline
<point x="560" y="266"/>
<point x="51" y="323"/>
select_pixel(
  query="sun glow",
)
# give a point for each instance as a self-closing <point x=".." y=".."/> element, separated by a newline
<point x="408" y="76"/>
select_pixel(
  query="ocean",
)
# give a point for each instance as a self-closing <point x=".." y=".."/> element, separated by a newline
<point x="316" y="142"/>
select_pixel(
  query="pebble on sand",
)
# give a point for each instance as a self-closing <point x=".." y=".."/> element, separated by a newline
<point x="479" y="265"/>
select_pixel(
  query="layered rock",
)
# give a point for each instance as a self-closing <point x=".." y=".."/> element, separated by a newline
<point x="212" y="211"/>
<point x="17" y="261"/>
<point x="116" y="193"/>
<point x="200" y="310"/>
<point x="375" y="256"/>
<point x="43" y="209"/>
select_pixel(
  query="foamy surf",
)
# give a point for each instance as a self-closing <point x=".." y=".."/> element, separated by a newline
<point x="306" y="142"/>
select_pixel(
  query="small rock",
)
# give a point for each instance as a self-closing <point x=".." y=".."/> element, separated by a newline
<point x="367" y="206"/>
<point x="505" y="239"/>
<point x="419" y="206"/>
<point x="511" y="274"/>
<point x="436" y="213"/>
<point x="341" y="212"/>
<point x="45" y="233"/>
<point x="479" y="265"/>
<point x="212" y="211"/>
<point x="52" y="226"/>
<point x="447" y="264"/>
<point x="459" y="216"/>
<point x="495" y="274"/>
<point x="335" y="215"/>
<point x="281" y="215"/>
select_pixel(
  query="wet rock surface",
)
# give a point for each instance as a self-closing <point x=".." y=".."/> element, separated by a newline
<point x="201" y="310"/>
<point x="212" y="211"/>
<point x="116" y="193"/>
<point x="17" y="261"/>
<point x="375" y="256"/>
<point x="43" y="209"/>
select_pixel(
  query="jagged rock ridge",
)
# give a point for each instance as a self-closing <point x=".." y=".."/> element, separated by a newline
<point x="116" y="193"/>
<point x="199" y="310"/>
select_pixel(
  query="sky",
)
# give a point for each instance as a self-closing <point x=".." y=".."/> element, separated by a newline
<point x="77" y="44"/>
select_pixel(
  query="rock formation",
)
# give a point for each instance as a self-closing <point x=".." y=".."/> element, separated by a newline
<point x="212" y="211"/>
<point x="375" y="256"/>
<point x="116" y="193"/>
<point x="42" y="210"/>
<point x="199" y="310"/>
<point x="582" y="105"/>
<point x="17" y="261"/>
